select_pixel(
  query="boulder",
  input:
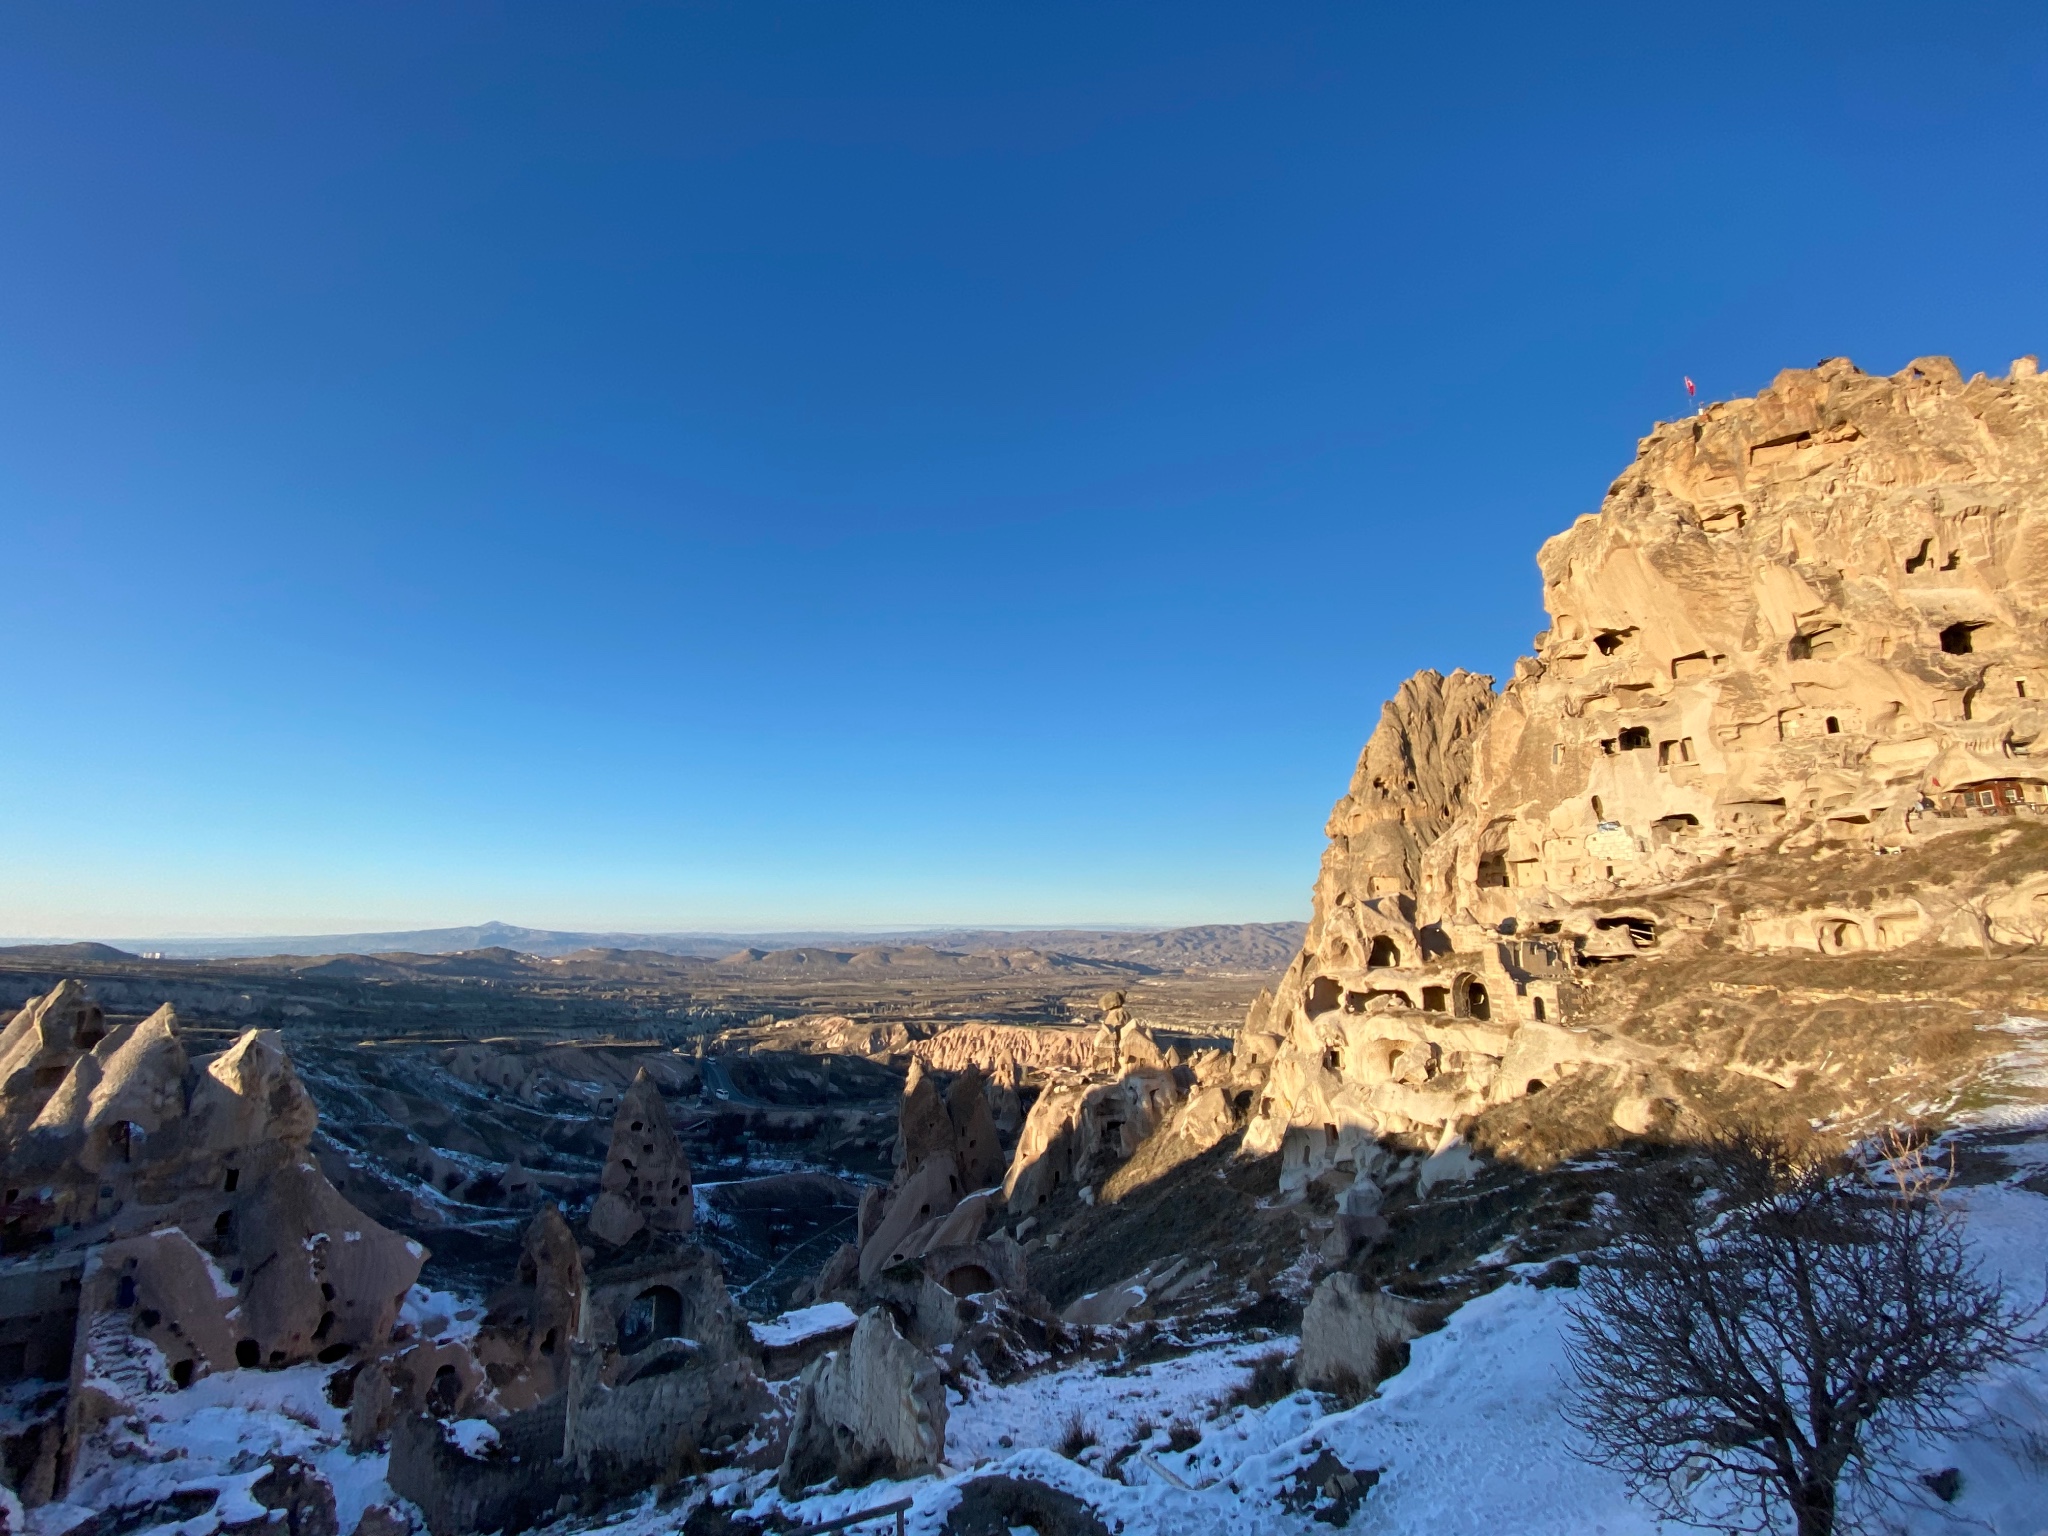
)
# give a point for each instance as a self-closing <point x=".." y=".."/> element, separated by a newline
<point x="1351" y="1337"/>
<point x="874" y="1409"/>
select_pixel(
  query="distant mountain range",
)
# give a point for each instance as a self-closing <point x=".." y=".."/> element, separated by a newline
<point x="1214" y="946"/>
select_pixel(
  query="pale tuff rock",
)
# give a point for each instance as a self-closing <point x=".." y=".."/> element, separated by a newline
<point x="1808" y="620"/>
<point x="207" y="1239"/>
<point x="1350" y="1336"/>
<point x="995" y="1047"/>
<point x="874" y="1409"/>
<point x="1138" y="1112"/>
<point x="524" y="1343"/>
<point x="646" y="1181"/>
<point x="1814" y="609"/>
<point x="37" y="1050"/>
<point x="1410" y="783"/>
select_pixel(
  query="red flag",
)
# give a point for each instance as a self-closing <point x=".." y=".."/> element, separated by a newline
<point x="1689" y="389"/>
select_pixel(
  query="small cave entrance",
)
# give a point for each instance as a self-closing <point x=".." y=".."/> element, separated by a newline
<point x="1436" y="999"/>
<point x="1642" y="931"/>
<point x="656" y="1313"/>
<point x="1385" y="952"/>
<point x="1324" y="993"/>
<point x="1477" y="1004"/>
<point x="1960" y="639"/>
<point x="446" y="1391"/>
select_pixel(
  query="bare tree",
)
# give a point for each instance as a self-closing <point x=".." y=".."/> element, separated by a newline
<point x="1765" y="1328"/>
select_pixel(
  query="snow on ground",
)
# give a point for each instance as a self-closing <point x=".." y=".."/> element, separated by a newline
<point x="1469" y="1438"/>
<point x="218" y="1434"/>
<point x="803" y="1323"/>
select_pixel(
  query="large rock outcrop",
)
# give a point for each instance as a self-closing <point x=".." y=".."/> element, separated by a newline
<point x="874" y="1409"/>
<point x="1804" y="627"/>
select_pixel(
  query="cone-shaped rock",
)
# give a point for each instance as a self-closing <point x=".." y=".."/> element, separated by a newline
<point x="646" y="1179"/>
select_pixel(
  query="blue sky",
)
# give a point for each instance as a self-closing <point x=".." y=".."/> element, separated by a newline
<point x="767" y="465"/>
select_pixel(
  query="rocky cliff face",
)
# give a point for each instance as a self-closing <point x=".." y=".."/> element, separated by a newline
<point x="1804" y="627"/>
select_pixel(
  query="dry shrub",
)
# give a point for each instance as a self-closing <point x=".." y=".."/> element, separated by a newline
<point x="1076" y="1437"/>
<point x="1272" y="1378"/>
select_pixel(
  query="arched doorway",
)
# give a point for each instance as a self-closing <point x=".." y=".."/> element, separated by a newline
<point x="656" y="1313"/>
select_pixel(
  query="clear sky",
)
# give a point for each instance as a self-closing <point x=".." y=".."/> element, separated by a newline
<point x="727" y="466"/>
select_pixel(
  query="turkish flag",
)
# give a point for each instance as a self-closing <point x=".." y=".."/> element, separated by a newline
<point x="1690" y="389"/>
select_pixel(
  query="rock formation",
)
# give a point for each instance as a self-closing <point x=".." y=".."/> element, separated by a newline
<point x="183" y="1198"/>
<point x="874" y="1409"/>
<point x="646" y="1182"/>
<point x="1087" y="1126"/>
<point x="1351" y="1337"/>
<point x="133" y="1141"/>
<point x="37" y="1050"/>
<point x="994" y="1047"/>
<point x="1803" y="627"/>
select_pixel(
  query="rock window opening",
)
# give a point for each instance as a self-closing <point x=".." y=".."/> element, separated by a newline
<point x="222" y="1222"/>
<point x="1265" y="1109"/>
<point x="1599" y="811"/>
<point x="1635" y="738"/>
<point x="2019" y="686"/>
<point x="1608" y="641"/>
<point x="149" y="1317"/>
<point x="1839" y="938"/>
<point x="229" y="1180"/>
<point x="1540" y="1011"/>
<point x="656" y="1313"/>
<point x="1834" y="726"/>
<point x="326" y="1327"/>
<point x="1920" y="558"/>
<point x="181" y="1375"/>
<point x="1957" y="639"/>
<point x="1477" y="1004"/>
<point x="1535" y="1085"/>
<point x="1436" y="999"/>
<point x="1385" y="952"/>
<point x="1607" y="745"/>
<point x="549" y="1341"/>
<point x="970" y="1280"/>
<point x="1954" y="560"/>
<point x="1329" y="1133"/>
<point x="1323" y="995"/>
<point x="124" y="1293"/>
<point x="248" y="1354"/>
<point x="1333" y="1060"/>
<point x="1493" y="869"/>
<point x="1557" y="748"/>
